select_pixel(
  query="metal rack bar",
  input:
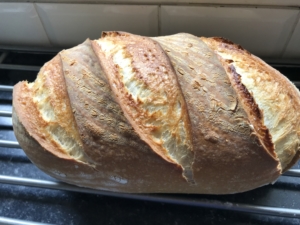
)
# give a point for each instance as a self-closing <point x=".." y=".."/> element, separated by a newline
<point x="9" y="221"/>
<point x="5" y="114"/>
<point x="6" y="88"/>
<point x="9" y="144"/>
<point x="34" y="50"/>
<point x="19" y="67"/>
<point x="292" y="173"/>
<point x="285" y="65"/>
<point x="3" y="56"/>
<point x="271" y="211"/>
<point x="297" y="83"/>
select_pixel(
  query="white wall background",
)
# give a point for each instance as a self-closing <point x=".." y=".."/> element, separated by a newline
<point x="267" y="28"/>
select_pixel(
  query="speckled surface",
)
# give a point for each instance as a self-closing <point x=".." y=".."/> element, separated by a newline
<point x="70" y="208"/>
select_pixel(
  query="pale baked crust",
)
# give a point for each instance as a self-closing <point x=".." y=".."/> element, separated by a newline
<point x="277" y="98"/>
<point x="28" y="107"/>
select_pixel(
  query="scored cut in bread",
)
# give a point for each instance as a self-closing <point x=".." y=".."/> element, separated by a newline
<point x="274" y="94"/>
<point x="171" y="114"/>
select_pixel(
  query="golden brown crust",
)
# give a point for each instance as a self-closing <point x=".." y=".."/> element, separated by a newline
<point x="216" y="111"/>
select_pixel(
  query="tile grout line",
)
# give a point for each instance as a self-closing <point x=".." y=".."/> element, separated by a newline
<point x="159" y="20"/>
<point x="43" y="25"/>
<point x="173" y="3"/>
<point x="290" y="35"/>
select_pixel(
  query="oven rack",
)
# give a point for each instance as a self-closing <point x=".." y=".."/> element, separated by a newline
<point x="220" y="204"/>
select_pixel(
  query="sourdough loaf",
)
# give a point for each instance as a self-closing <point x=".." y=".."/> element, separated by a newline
<point x="172" y="114"/>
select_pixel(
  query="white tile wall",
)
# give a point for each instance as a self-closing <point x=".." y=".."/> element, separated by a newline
<point x="262" y="31"/>
<point x="70" y="24"/>
<point x="20" y="25"/>
<point x="293" y="48"/>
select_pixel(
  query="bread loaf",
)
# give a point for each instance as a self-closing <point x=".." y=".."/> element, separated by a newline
<point x="172" y="114"/>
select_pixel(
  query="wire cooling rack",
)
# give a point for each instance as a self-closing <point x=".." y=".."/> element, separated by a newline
<point x="278" y="203"/>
